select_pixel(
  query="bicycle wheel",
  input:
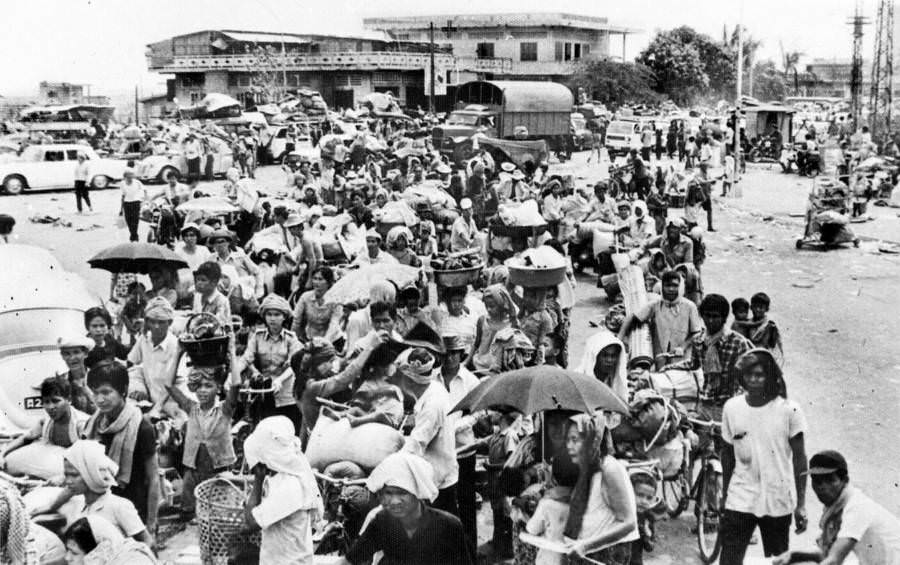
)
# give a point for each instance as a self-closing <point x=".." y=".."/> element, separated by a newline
<point x="708" y="496"/>
<point x="676" y="494"/>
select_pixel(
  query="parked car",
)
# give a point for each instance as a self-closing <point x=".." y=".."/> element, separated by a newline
<point x="53" y="166"/>
<point x="39" y="303"/>
<point x="622" y="136"/>
<point x="155" y="168"/>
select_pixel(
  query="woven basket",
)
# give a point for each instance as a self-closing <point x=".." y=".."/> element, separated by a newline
<point x="220" y="521"/>
<point x="206" y="352"/>
<point x="458" y="277"/>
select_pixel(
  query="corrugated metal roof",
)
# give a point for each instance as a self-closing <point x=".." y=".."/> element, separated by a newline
<point x="258" y="37"/>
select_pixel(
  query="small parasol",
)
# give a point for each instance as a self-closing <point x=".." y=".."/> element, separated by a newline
<point x="354" y="286"/>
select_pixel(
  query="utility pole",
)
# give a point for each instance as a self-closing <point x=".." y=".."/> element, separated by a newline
<point x="881" y="97"/>
<point x="737" y="104"/>
<point x="137" y="119"/>
<point x="431" y="52"/>
<point x="857" y="21"/>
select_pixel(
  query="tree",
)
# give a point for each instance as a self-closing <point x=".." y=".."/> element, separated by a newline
<point x="790" y="60"/>
<point x="613" y="83"/>
<point x="267" y="78"/>
<point x="688" y="64"/>
<point x="769" y="82"/>
<point x="749" y="49"/>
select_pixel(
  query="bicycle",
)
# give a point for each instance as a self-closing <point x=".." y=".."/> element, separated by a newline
<point x="343" y="520"/>
<point x="251" y="399"/>
<point x="706" y="490"/>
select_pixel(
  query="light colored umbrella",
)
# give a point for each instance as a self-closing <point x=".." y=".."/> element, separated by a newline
<point x="354" y="286"/>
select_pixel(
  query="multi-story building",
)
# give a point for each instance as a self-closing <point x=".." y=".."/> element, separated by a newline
<point x="536" y="46"/>
<point x="342" y="69"/>
<point x="66" y="93"/>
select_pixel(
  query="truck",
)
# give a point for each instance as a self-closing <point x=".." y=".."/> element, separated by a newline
<point x="507" y="110"/>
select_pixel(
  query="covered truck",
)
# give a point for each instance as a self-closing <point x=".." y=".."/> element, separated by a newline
<point x="520" y="110"/>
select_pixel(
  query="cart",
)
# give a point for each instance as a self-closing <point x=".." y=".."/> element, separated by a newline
<point x="827" y="223"/>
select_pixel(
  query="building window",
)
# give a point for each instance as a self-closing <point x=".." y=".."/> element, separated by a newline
<point x="558" y="51"/>
<point x="528" y="51"/>
<point x="191" y="80"/>
<point x="567" y="53"/>
<point x="577" y="54"/>
<point x="586" y="50"/>
<point x="485" y="51"/>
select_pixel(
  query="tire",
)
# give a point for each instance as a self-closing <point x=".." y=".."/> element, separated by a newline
<point x="799" y="243"/>
<point x="676" y="494"/>
<point x="812" y="172"/>
<point x="14" y="184"/>
<point x="100" y="182"/>
<point x="164" y="172"/>
<point x="708" y="541"/>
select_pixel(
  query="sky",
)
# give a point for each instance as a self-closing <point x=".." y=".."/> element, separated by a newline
<point x="103" y="42"/>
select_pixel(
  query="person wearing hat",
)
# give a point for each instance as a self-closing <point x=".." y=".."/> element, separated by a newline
<point x="248" y="272"/>
<point x="676" y="247"/>
<point x="374" y="254"/>
<point x="505" y="182"/>
<point x="154" y="359"/>
<point x="521" y="190"/>
<point x="268" y="357"/>
<point x="851" y="521"/>
<point x="408" y="528"/>
<point x="464" y="230"/>
<point x="303" y="255"/>
<point x="187" y="249"/>
<point x="74" y="350"/>
<point x="763" y="461"/>
<point x="433" y="436"/>
<point x="133" y="195"/>
<point x="459" y="381"/>
<point x="62" y="426"/>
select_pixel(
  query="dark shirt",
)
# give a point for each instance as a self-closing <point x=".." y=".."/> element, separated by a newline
<point x="438" y="541"/>
<point x="144" y="447"/>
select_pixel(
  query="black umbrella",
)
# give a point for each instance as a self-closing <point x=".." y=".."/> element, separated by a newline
<point x="136" y="258"/>
<point x="536" y="389"/>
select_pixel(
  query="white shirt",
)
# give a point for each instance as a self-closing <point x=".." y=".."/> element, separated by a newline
<point x="763" y="479"/>
<point x="433" y="436"/>
<point x="462" y="234"/>
<point x="152" y="367"/>
<point x="133" y="192"/>
<point x="194" y="259"/>
<point x="286" y="526"/>
<point x="459" y="387"/>
<point x="82" y="171"/>
<point x="875" y="530"/>
<point x="119" y="511"/>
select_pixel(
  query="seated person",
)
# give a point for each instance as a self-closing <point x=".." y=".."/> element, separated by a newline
<point x="376" y="400"/>
<point x="62" y="426"/>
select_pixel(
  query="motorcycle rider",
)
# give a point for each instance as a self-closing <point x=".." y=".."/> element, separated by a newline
<point x="807" y="154"/>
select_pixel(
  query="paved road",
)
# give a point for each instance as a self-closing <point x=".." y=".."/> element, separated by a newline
<point x="838" y="311"/>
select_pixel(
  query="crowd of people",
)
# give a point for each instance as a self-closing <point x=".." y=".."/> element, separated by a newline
<point x="408" y="353"/>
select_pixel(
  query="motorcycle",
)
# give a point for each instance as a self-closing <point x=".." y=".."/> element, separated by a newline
<point x="805" y="163"/>
<point x="764" y="150"/>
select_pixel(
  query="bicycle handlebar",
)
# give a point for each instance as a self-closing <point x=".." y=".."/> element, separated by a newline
<point x="256" y="390"/>
<point x="339" y="481"/>
<point x="711" y="424"/>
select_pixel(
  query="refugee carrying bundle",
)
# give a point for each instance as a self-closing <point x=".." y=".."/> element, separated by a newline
<point x="367" y="445"/>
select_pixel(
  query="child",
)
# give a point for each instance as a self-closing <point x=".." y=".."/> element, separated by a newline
<point x="207" y="439"/>
<point x="657" y="204"/>
<point x="132" y="315"/>
<point x="285" y="499"/>
<point x="534" y="321"/>
<point x="644" y="485"/>
<point x="741" y="310"/>
<point x="500" y="446"/>
<point x="129" y="439"/>
<point x="551" y="346"/>
<point x="501" y="313"/>
<point x="376" y="400"/>
<point x="549" y="518"/>
<point x="729" y="178"/>
<point x="62" y="426"/>
<point x="764" y="332"/>
<point x="207" y="297"/>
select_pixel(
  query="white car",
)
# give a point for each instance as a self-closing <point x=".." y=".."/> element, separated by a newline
<point x="39" y="303"/>
<point x="155" y="168"/>
<point x="53" y="166"/>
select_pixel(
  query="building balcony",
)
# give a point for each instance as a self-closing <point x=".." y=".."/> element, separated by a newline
<point x="337" y="61"/>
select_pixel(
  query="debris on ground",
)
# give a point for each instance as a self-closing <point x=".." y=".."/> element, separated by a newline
<point x="48" y="219"/>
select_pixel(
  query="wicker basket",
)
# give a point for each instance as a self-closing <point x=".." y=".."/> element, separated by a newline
<point x="205" y="352"/>
<point x="529" y="277"/>
<point x="502" y="230"/>
<point x="457" y="277"/>
<point x="220" y="521"/>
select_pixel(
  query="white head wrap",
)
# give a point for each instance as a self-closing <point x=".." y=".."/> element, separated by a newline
<point x="407" y="471"/>
<point x="96" y="469"/>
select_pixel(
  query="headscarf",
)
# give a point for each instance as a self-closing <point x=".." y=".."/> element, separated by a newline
<point x="427" y="225"/>
<point x="274" y="444"/>
<point x="96" y="469"/>
<point x="762" y="356"/>
<point x="158" y="308"/>
<point x="643" y="207"/>
<point x="14" y="524"/>
<point x="381" y="192"/>
<point x="274" y="302"/>
<point x="416" y="371"/>
<point x="510" y="349"/>
<point x="592" y="348"/>
<point x="407" y="471"/>
<point x="499" y="275"/>
<point x="396" y="232"/>
<point x="383" y="291"/>
<point x="499" y="294"/>
<point x="593" y="448"/>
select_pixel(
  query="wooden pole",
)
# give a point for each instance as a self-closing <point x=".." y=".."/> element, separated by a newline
<point x="431" y="78"/>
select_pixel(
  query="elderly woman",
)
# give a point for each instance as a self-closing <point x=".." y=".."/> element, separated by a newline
<point x="399" y="239"/>
<point x="313" y="315"/>
<point x="92" y="540"/>
<point x="406" y="529"/>
<point x="602" y="518"/>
